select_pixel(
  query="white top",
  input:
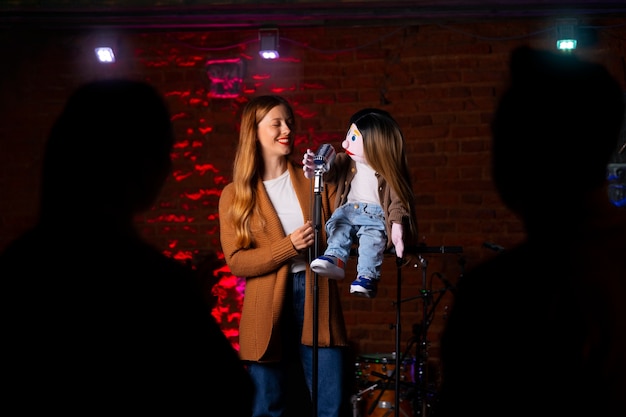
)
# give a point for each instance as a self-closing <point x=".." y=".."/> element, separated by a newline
<point x="364" y="185"/>
<point x="285" y="201"/>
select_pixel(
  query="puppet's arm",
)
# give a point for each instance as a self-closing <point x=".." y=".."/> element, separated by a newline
<point x="396" y="237"/>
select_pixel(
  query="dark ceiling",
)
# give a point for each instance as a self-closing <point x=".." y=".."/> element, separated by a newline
<point x="255" y="14"/>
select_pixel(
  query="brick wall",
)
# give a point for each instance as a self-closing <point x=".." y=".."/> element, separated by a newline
<point x="441" y="83"/>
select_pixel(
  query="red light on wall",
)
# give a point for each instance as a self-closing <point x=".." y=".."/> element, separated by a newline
<point x="226" y="77"/>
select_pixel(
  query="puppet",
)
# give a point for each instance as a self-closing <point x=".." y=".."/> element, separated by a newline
<point x="375" y="207"/>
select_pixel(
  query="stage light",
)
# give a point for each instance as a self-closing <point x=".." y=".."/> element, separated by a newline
<point x="566" y="35"/>
<point x="268" y="43"/>
<point x="105" y="54"/>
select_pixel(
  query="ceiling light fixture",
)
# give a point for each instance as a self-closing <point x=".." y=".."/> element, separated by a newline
<point x="105" y="54"/>
<point x="566" y="35"/>
<point x="268" y="43"/>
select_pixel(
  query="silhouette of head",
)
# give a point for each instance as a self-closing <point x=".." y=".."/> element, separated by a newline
<point x="108" y="153"/>
<point x="554" y="130"/>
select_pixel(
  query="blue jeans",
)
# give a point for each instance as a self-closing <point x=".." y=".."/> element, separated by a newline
<point x="271" y="379"/>
<point x="360" y="222"/>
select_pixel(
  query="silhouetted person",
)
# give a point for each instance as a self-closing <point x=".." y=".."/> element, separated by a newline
<point x="540" y="330"/>
<point x="99" y="321"/>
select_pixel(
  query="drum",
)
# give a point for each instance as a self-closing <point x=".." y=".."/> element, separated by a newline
<point x="372" y="368"/>
<point x="376" y="384"/>
<point x="376" y="405"/>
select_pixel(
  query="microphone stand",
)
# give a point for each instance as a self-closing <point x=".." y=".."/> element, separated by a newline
<point x="423" y="346"/>
<point x="318" y="187"/>
<point x="399" y="359"/>
<point x="422" y="404"/>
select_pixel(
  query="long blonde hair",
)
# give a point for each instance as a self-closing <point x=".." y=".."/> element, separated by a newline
<point x="248" y="165"/>
<point x="383" y="147"/>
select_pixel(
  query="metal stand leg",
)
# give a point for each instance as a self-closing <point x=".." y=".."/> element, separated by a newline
<point x="423" y="393"/>
<point x="398" y="333"/>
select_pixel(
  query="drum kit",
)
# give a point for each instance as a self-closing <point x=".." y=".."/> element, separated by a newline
<point x="386" y="379"/>
<point x="376" y="375"/>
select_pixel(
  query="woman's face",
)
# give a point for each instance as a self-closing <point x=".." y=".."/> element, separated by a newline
<point x="274" y="132"/>
<point x="353" y="144"/>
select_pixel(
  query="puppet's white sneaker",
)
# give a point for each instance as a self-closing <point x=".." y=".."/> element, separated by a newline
<point x="329" y="266"/>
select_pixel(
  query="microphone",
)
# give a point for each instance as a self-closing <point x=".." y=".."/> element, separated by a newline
<point x="493" y="247"/>
<point x="324" y="157"/>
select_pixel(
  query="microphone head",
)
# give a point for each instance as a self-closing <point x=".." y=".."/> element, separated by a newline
<point x="325" y="154"/>
<point x="324" y="157"/>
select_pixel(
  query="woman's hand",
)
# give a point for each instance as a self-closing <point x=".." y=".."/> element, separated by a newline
<point x="308" y="164"/>
<point x="303" y="237"/>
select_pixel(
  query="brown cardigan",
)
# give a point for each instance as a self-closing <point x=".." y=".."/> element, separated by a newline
<point x="266" y="268"/>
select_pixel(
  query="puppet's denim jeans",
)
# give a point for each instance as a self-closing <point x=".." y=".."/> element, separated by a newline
<point x="363" y="223"/>
<point x="271" y="379"/>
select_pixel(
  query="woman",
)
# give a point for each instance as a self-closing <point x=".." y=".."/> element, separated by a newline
<point x="266" y="233"/>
